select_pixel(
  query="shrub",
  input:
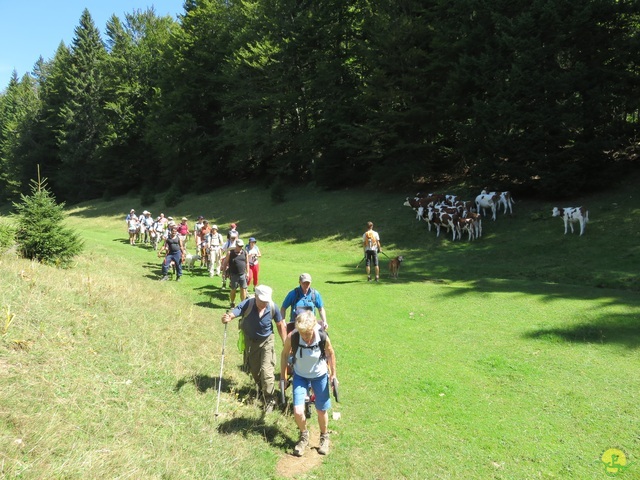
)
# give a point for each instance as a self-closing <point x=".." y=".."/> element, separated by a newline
<point x="7" y="236"/>
<point x="278" y="192"/>
<point x="40" y="234"/>
<point x="147" y="196"/>
<point x="173" y="197"/>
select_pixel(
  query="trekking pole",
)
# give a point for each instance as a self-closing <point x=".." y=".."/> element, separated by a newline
<point x="385" y="254"/>
<point x="360" y="261"/>
<point x="224" y="341"/>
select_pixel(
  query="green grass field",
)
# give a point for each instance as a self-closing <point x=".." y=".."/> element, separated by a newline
<point x="515" y="356"/>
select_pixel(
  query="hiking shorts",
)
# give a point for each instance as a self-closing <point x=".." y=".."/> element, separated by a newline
<point x="320" y="387"/>
<point x="238" y="281"/>
<point x="371" y="255"/>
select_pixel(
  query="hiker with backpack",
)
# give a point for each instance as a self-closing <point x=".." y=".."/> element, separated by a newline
<point x="371" y="245"/>
<point x="258" y="314"/>
<point x="304" y="298"/>
<point x="314" y="365"/>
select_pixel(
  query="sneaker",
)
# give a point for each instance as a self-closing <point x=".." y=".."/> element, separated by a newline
<point x="377" y="279"/>
<point x="232" y="305"/>
<point x="369" y="278"/>
<point x="323" y="449"/>
<point x="165" y="278"/>
<point x="301" y="446"/>
<point x="178" y="279"/>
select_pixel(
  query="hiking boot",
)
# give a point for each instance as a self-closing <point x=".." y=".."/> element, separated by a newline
<point x="270" y="406"/>
<point x="232" y="305"/>
<point x="301" y="446"/>
<point x="165" y="278"/>
<point x="178" y="279"/>
<point x="368" y="278"/>
<point x="323" y="449"/>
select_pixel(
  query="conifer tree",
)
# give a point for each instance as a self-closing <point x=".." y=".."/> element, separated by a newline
<point x="41" y="234"/>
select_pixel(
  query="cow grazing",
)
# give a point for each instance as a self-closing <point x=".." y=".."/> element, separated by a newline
<point x="571" y="215"/>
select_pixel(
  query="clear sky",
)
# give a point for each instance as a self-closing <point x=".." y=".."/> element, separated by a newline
<point x="33" y="28"/>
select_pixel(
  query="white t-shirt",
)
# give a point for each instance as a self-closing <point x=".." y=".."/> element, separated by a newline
<point x="368" y="242"/>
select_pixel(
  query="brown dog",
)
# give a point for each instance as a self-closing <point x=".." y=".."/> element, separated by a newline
<point x="394" y="266"/>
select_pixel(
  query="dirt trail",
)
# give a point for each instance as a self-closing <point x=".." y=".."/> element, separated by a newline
<point x="290" y="466"/>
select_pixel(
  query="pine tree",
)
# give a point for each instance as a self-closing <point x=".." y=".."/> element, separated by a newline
<point x="40" y="233"/>
<point x="82" y="114"/>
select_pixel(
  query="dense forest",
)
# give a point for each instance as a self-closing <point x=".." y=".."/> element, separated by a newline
<point x="540" y="96"/>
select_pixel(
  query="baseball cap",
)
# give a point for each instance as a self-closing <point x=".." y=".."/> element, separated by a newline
<point x="305" y="277"/>
<point x="214" y="227"/>
<point x="239" y="243"/>
<point x="200" y="217"/>
<point x="252" y="239"/>
<point x="263" y="293"/>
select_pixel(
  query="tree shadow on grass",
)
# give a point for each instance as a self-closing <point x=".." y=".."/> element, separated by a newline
<point x="620" y="329"/>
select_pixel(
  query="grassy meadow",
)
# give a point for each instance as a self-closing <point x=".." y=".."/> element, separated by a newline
<point x="515" y="356"/>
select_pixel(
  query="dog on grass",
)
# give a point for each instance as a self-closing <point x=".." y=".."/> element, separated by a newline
<point x="394" y="266"/>
<point x="191" y="260"/>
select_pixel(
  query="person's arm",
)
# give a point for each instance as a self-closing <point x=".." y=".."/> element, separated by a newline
<point x="323" y="318"/>
<point x="162" y="249"/>
<point x="227" y="317"/>
<point x="331" y="359"/>
<point x="182" y="250"/>
<point x="282" y="330"/>
<point x="285" y="304"/>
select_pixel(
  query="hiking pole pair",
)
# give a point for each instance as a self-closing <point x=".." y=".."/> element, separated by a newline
<point x="224" y="341"/>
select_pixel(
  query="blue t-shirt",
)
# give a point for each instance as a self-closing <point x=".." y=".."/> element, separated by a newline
<point x="299" y="302"/>
<point x="254" y="326"/>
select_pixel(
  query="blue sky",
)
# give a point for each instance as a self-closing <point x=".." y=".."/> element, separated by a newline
<point x="31" y="28"/>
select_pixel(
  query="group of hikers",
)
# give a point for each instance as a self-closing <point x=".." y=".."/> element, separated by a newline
<point x="307" y="361"/>
<point x="229" y="258"/>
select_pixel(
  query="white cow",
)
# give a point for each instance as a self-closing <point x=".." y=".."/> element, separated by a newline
<point x="506" y="200"/>
<point x="487" y="200"/>
<point x="571" y="215"/>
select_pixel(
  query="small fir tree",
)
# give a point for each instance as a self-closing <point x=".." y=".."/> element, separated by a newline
<point x="40" y="234"/>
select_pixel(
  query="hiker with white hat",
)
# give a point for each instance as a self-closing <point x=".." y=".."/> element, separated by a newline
<point x="258" y="314"/>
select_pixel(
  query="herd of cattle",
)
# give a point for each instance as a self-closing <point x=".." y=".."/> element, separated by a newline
<point x="459" y="216"/>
